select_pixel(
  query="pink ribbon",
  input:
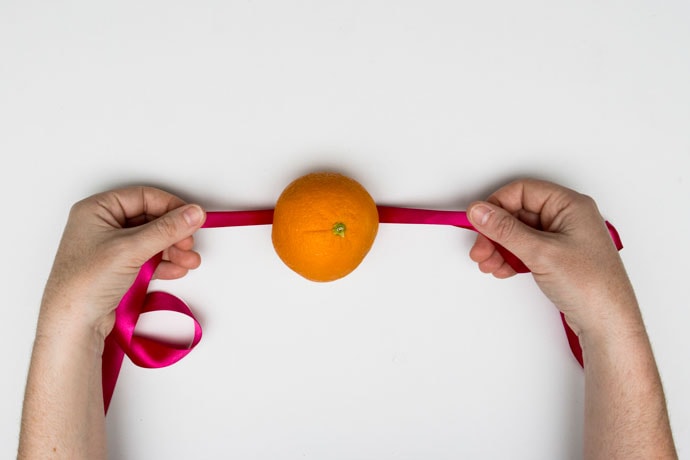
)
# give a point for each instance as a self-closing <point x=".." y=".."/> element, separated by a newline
<point x="152" y="353"/>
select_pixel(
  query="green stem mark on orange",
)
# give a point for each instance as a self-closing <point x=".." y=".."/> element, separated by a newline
<point x="339" y="229"/>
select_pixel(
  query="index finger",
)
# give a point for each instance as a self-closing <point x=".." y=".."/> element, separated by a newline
<point x="541" y="198"/>
<point x="126" y="204"/>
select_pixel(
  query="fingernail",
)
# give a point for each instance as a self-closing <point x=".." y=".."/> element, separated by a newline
<point x="481" y="213"/>
<point x="192" y="215"/>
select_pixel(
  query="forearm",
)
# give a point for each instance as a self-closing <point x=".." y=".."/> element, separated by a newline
<point x="63" y="410"/>
<point x="625" y="409"/>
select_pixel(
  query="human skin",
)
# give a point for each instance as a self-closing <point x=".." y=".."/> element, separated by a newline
<point x="558" y="233"/>
<point x="106" y="240"/>
<point x="562" y="238"/>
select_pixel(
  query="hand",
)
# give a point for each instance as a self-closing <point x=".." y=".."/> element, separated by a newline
<point x="561" y="237"/>
<point x="107" y="238"/>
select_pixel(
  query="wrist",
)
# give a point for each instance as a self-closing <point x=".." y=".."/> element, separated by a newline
<point x="615" y="327"/>
<point x="69" y="327"/>
<point x="601" y="310"/>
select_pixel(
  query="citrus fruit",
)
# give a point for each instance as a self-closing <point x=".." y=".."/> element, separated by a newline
<point x="324" y="224"/>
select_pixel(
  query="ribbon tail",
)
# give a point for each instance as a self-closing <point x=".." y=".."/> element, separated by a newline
<point x="111" y="365"/>
<point x="573" y="341"/>
<point x="126" y="315"/>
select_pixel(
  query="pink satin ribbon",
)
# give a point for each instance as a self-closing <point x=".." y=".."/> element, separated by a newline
<point x="151" y="353"/>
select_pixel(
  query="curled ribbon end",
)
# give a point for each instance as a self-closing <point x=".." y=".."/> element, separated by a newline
<point x="143" y="352"/>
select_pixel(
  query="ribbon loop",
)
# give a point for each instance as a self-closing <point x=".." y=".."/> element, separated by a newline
<point x="154" y="353"/>
<point x="142" y="351"/>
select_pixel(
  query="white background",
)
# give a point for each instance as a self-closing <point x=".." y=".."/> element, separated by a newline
<point x="427" y="103"/>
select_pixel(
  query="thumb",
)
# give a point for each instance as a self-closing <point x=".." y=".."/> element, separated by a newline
<point x="172" y="227"/>
<point x="503" y="228"/>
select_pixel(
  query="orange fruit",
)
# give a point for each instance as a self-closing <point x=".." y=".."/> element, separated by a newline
<point x="323" y="225"/>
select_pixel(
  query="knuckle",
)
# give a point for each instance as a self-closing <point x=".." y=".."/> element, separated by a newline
<point x="80" y="207"/>
<point x="587" y="204"/>
<point x="166" y="227"/>
<point x="505" y="227"/>
<point x="587" y="201"/>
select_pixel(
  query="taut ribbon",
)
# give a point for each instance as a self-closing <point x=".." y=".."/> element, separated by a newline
<point x="152" y="353"/>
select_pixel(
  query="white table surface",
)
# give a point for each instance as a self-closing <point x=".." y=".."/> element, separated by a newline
<point x="427" y="103"/>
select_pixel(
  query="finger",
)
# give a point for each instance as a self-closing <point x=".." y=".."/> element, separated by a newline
<point x="186" y="259"/>
<point x="169" y="271"/>
<point x="137" y="220"/>
<point x="186" y="244"/>
<point x="482" y="249"/>
<point x="504" y="271"/>
<point x="129" y="204"/>
<point x="489" y="260"/>
<point x="500" y="226"/>
<point x="530" y="218"/>
<point x="166" y="231"/>
<point x="177" y="263"/>
<point x="492" y="263"/>
<point x="542" y="198"/>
